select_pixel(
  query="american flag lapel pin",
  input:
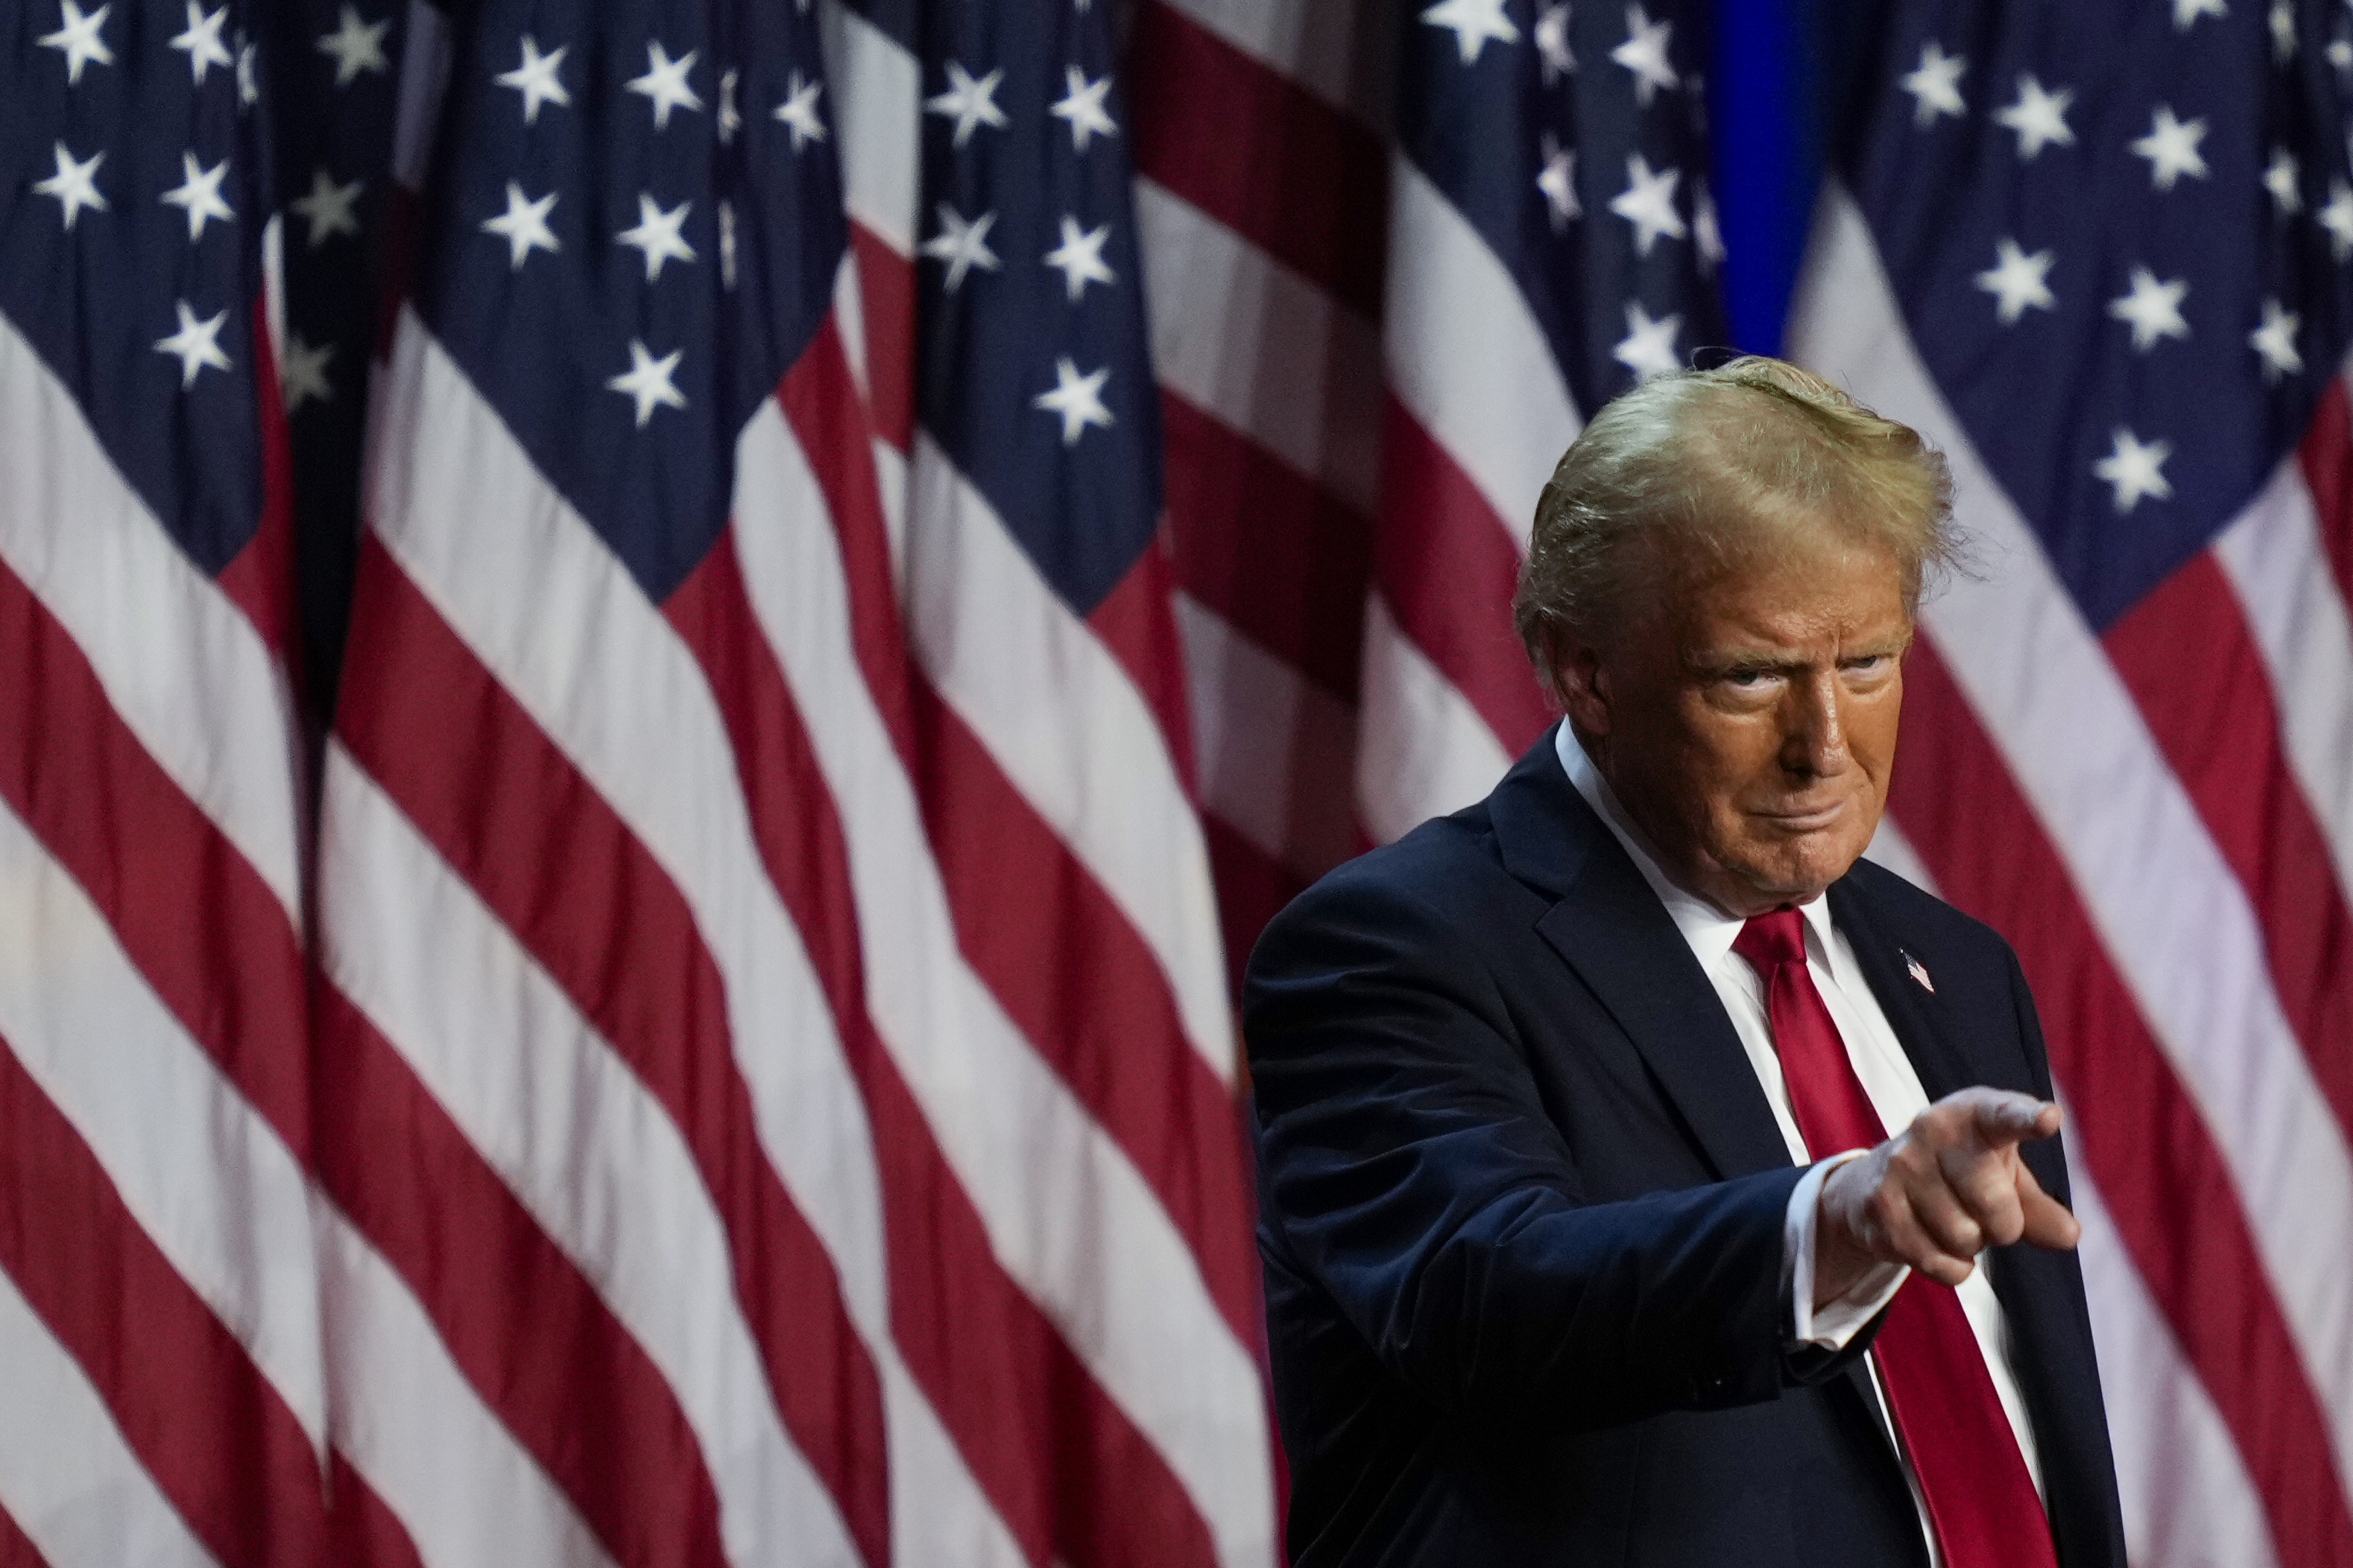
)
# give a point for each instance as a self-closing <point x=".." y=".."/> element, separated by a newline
<point x="1918" y="972"/>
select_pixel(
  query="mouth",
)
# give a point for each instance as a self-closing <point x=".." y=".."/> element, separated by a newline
<point x="1811" y="820"/>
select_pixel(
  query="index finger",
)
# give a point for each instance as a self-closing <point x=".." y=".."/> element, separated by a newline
<point x="2003" y="1117"/>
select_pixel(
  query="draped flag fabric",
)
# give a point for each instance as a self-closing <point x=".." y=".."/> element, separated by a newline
<point x="772" y="1050"/>
<point x="162" y="1388"/>
<point x="2099" y="255"/>
<point x="1395" y="260"/>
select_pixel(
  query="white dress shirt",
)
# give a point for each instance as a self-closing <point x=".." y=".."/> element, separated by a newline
<point x="1888" y="1078"/>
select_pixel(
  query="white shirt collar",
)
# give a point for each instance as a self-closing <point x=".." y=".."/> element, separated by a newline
<point x="1706" y="929"/>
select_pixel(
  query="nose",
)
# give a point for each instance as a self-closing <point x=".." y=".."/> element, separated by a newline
<point x="1813" y="733"/>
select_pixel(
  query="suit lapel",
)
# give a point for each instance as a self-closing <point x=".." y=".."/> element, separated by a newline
<point x="1610" y="929"/>
<point x="1923" y="1026"/>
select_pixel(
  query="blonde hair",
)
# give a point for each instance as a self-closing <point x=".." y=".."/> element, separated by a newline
<point x="1695" y="472"/>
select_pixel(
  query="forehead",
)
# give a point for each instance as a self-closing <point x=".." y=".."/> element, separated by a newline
<point x="1799" y="595"/>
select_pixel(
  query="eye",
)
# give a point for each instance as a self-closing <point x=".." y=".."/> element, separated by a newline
<point x="1747" y="680"/>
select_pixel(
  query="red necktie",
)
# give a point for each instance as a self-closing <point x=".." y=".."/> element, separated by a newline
<point x="1980" y="1499"/>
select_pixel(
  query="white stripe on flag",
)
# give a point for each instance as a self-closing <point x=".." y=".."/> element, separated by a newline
<point x="66" y="1477"/>
<point x="1277" y="752"/>
<point x="1333" y="50"/>
<point x="2175" y="924"/>
<point x="577" y="1137"/>
<point x="1421" y="750"/>
<point x="181" y="663"/>
<point x="1467" y="358"/>
<point x="1287" y="366"/>
<point x="1067" y="1214"/>
<point x="418" y="1434"/>
<point x="2188" y="1500"/>
<point x="2276" y="561"/>
<point x="875" y="85"/>
<point x="210" y="1182"/>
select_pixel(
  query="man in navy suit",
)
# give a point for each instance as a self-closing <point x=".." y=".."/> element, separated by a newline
<point x="1645" y="1177"/>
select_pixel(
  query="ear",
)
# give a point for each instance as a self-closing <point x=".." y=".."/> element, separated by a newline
<point x="1582" y="684"/>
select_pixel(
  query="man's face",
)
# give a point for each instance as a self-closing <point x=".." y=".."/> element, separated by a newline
<point x="1749" y="724"/>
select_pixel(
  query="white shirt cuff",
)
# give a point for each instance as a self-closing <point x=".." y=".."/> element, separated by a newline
<point x="1841" y="1320"/>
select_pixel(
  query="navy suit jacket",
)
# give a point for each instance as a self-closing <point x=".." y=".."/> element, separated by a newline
<point x="1521" y="1204"/>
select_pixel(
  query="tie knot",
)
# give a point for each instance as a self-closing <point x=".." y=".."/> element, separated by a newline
<point x="1769" y="941"/>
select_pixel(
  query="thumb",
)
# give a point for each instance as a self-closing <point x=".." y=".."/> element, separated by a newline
<point x="2048" y="1222"/>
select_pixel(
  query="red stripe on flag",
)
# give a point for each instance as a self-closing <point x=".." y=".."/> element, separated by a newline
<point x="2215" y="718"/>
<point x="217" y="1439"/>
<point x="193" y="915"/>
<point x="550" y="858"/>
<point x="1253" y="887"/>
<point x="1301" y="180"/>
<point x="362" y="1531"/>
<point x="260" y="578"/>
<point x="886" y="299"/>
<point x="1448" y="567"/>
<point x="2327" y="455"/>
<point x="1077" y="978"/>
<point x="1136" y="622"/>
<point x="16" y="1551"/>
<point x="2167" y="1186"/>
<point x="1066" y="1471"/>
<point x="521" y="1321"/>
<point x="1269" y="548"/>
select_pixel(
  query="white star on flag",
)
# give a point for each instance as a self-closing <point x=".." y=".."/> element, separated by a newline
<point x="1552" y="42"/>
<point x="247" y="91"/>
<point x="2135" y="470"/>
<point x="77" y="36"/>
<point x="2039" y="118"/>
<point x="75" y="184"/>
<point x="2018" y="282"/>
<point x="2283" y="31"/>
<point x="658" y="235"/>
<point x="2187" y="11"/>
<point x="1081" y="104"/>
<point x="664" y="83"/>
<point x="2171" y="148"/>
<point x="798" y="111"/>
<point x="1557" y="181"/>
<point x="1644" y="53"/>
<point x="328" y="208"/>
<point x="1474" y="23"/>
<point x="969" y="102"/>
<point x="2154" y="308"/>
<point x="2275" y="342"/>
<point x="729" y="120"/>
<point x="726" y="245"/>
<point x="302" y="373"/>
<point x="195" y="345"/>
<point x="2279" y="179"/>
<point x="1079" y="258"/>
<point x="963" y="245"/>
<point x="1648" y="349"/>
<point x="2340" y="53"/>
<point x="198" y="194"/>
<point x="535" y="79"/>
<point x="202" y="41"/>
<point x="2337" y="218"/>
<point x="524" y="225"/>
<point x="1648" y="203"/>
<point x="1935" y="85"/>
<point x="1077" y="398"/>
<point x="647" y="381"/>
<point x="355" y="46"/>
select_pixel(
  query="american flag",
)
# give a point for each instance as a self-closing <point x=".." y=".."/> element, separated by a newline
<point x="159" y="1325"/>
<point x="1396" y="258"/>
<point x="773" y="1046"/>
<point x="2099" y="253"/>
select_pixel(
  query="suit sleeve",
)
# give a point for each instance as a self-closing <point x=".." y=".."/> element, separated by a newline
<point x="1409" y="1169"/>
